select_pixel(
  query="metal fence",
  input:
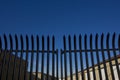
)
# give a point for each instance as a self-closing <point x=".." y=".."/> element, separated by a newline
<point x="91" y="57"/>
<point x="27" y="58"/>
<point x="88" y="57"/>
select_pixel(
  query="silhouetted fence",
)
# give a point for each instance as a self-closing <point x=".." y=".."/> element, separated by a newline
<point x="88" y="57"/>
<point x="91" y="57"/>
<point x="28" y="58"/>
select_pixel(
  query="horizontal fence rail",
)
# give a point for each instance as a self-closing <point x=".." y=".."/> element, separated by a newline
<point x="93" y="57"/>
<point x="83" y="57"/>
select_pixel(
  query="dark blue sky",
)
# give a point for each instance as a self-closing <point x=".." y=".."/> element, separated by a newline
<point x="59" y="17"/>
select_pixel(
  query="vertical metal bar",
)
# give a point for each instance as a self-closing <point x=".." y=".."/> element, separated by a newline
<point x="103" y="56"/>
<point x="81" y="58"/>
<point x="57" y="63"/>
<point x="92" y="57"/>
<point x="0" y="46"/>
<point x="70" y="58"/>
<point x="32" y="57"/>
<point x="26" y="61"/>
<point x="86" y="56"/>
<point x="48" y="55"/>
<point x="37" y="57"/>
<point x="10" y="52"/>
<point x="97" y="56"/>
<point x="119" y="43"/>
<point x="21" y="56"/>
<point x="115" y="55"/>
<point x="53" y="58"/>
<point x="16" y="53"/>
<point x="109" y="57"/>
<point x="42" y="69"/>
<point x="0" y="53"/>
<point x="65" y="58"/>
<point x="119" y="47"/>
<point x="61" y="66"/>
<point x="76" y="63"/>
<point x="4" y="56"/>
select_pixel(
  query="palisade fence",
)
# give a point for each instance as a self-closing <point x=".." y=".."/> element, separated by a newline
<point x="28" y="58"/>
<point x="91" y="57"/>
<point x="87" y="57"/>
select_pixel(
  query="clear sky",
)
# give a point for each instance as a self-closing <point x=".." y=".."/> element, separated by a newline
<point x="59" y="17"/>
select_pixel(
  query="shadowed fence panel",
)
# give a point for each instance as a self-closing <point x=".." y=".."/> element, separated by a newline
<point x="83" y="57"/>
<point x="28" y="58"/>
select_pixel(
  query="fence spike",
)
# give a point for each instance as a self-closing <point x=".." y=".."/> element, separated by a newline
<point x="48" y="43"/>
<point x="81" y="57"/>
<point x="91" y="37"/>
<point x="53" y="43"/>
<point x="5" y="42"/>
<point x="21" y="56"/>
<point x="32" y="57"/>
<point x="85" y="36"/>
<point x="14" y="66"/>
<point x="53" y="58"/>
<point x="27" y="42"/>
<point x="102" y="36"/>
<point x="69" y="42"/>
<point x="70" y="57"/>
<point x="119" y="42"/>
<point x="107" y="40"/>
<point x="21" y="39"/>
<point x="32" y="40"/>
<point x="0" y="43"/>
<point x="92" y="56"/>
<point x="37" y="57"/>
<point x="97" y="55"/>
<point x="61" y="60"/>
<point x="4" y="57"/>
<point x="57" y="64"/>
<point x="86" y="56"/>
<point x="75" y="42"/>
<point x="103" y="56"/>
<point x="37" y="40"/>
<point x="115" y="55"/>
<point x="9" y="58"/>
<point x="42" y="68"/>
<point x="16" y="41"/>
<point x="80" y="42"/>
<point x="114" y="33"/>
<point x="11" y="42"/>
<point x="76" y="62"/>
<point x="26" y="64"/>
<point x="108" y="33"/>
<point x="42" y="42"/>
<point x="69" y="36"/>
<point x="48" y="55"/>
<point x="109" y="56"/>
<point x="65" y="60"/>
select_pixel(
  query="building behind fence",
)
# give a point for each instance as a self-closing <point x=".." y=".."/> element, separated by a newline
<point x="97" y="73"/>
<point x="7" y="72"/>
